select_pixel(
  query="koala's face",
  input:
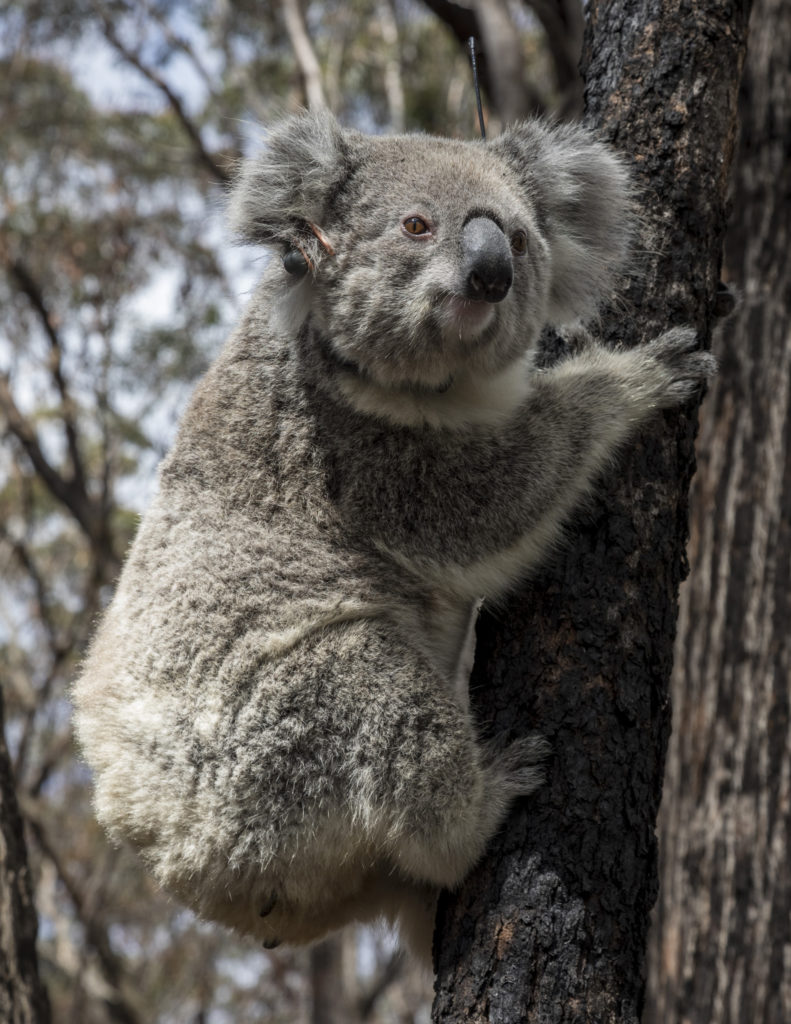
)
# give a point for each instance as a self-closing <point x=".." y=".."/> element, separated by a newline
<point x="430" y="256"/>
<point x="439" y="263"/>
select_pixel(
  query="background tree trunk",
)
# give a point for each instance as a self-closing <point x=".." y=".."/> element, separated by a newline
<point x="331" y="1002"/>
<point x="552" y="926"/>
<point x="23" y="999"/>
<point x="721" y="949"/>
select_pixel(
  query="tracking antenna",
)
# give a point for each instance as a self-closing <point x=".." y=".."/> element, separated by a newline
<point x="473" y="60"/>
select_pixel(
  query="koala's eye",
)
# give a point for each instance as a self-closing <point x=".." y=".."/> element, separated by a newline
<point x="415" y="226"/>
<point x="519" y="243"/>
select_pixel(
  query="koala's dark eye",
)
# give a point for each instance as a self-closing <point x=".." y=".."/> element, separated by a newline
<point x="415" y="226"/>
<point x="519" y="243"/>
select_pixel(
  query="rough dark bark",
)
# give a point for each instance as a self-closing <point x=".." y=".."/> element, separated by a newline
<point x="552" y="925"/>
<point x="721" y="948"/>
<point x="23" y="998"/>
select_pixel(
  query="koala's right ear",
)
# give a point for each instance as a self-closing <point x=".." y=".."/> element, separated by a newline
<point x="287" y="186"/>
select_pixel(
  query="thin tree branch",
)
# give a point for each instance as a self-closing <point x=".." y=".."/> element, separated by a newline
<point x="68" y="492"/>
<point x="563" y="22"/>
<point x="31" y="289"/>
<point x="93" y="516"/>
<point x="177" y="42"/>
<point x="462" y="21"/>
<point x="58" y="749"/>
<point x="112" y="967"/>
<point x="394" y="86"/>
<point x="27" y="562"/>
<point x="305" y="55"/>
<point x="57" y="648"/>
<point x="387" y="975"/>
<point x="493" y="70"/>
<point x="22" y="995"/>
<point x="502" y="47"/>
<point x="190" y="128"/>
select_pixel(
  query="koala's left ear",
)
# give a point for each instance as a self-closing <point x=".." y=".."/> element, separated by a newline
<point x="288" y="185"/>
<point x="583" y="198"/>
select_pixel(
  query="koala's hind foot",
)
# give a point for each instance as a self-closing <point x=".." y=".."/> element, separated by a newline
<point x="519" y="765"/>
<point x="440" y="843"/>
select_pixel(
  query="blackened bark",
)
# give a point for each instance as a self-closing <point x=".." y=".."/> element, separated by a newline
<point x="552" y="925"/>
<point x="23" y="999"/>
<point x="721" y="948"/>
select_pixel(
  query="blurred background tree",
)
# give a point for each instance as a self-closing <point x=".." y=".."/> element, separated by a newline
<point x="122" y="123"/>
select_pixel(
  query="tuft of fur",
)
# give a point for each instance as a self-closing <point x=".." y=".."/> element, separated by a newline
<point x="275" y="703"/>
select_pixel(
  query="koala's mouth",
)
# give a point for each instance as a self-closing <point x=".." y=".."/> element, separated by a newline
<point x="464" y="318"/>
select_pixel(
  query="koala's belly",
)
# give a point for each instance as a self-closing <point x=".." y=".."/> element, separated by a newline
<point x="241" y="770"/>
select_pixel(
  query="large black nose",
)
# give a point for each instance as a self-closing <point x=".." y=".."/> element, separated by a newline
<point x="488" y="271"/>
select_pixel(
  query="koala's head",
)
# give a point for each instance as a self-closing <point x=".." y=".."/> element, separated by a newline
<point x="430" y="255"/>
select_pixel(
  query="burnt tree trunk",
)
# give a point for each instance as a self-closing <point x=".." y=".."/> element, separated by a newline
<point x="552" y="925"/>
<point x="23" y="999"/>
<point x="721" y="949"/>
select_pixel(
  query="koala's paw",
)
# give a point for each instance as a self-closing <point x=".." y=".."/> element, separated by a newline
<point x="520" y="765"/>
<point x="576" y="339"/>
<point x="684" y="366"/>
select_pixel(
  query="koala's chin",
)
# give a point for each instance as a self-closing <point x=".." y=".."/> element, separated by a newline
<point x="446" y="336"/>
<point x="464" y="319"/>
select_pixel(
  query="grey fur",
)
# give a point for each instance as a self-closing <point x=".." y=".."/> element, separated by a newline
<point x="275" y="703"/>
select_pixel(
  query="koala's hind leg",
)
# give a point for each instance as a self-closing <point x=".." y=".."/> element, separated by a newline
<point x="437" y="794"/>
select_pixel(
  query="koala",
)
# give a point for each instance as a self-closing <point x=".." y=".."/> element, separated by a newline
<point x="275" y="704"/>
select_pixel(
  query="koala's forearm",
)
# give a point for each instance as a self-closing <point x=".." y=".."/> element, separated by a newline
<point x="470" y="500"/>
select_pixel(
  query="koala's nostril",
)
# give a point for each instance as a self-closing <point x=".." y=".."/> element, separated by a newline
<point x="487" y="267"/>
<point x="476" y="284"/>
<point x="488" y="289"/>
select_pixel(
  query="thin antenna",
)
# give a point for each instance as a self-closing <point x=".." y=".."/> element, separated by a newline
<point x="471" y="45"/>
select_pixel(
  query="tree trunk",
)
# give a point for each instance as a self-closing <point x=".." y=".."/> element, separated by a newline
<point x="23" y="999"/>
<point x="331" y="1002"/>
<point x="552" y="925"/>
<point x="721" y="950"/>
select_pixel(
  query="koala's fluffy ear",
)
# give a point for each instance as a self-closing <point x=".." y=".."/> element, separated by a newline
<point x="278" y="192"/>
<point x="583" y="197"/>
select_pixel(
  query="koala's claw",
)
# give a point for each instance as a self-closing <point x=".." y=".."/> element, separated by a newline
<point x="270" y="943"/>
<point x="678" y="348"/>
<point x="269" y="906"/>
